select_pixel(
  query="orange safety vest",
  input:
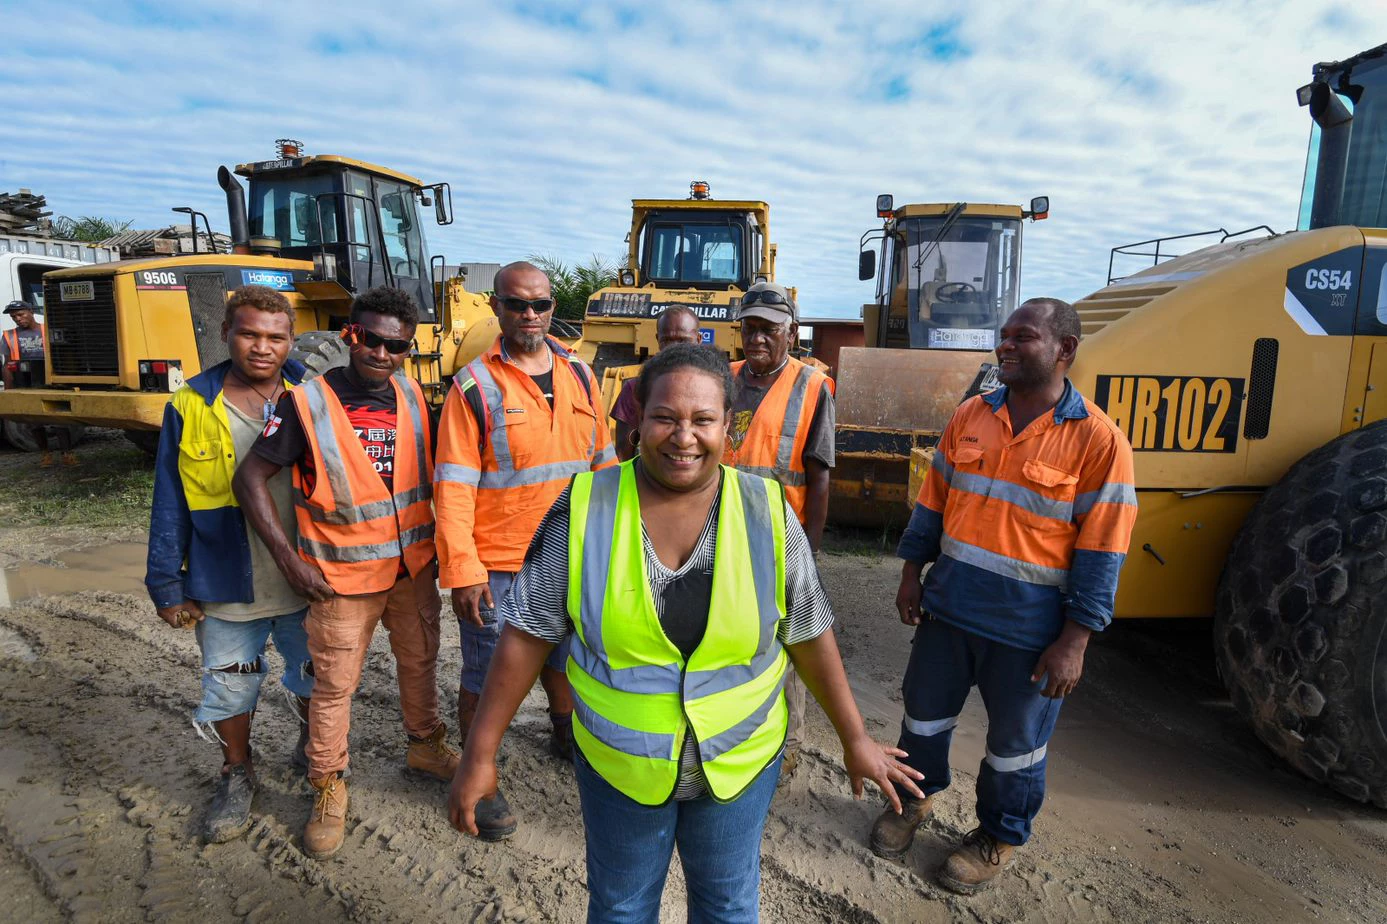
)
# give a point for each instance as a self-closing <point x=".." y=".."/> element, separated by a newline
<point x="350" y="526"/>
<point x="504" y="456"/>
<point x="12" y="342"/>
<point x="774" y="443"/>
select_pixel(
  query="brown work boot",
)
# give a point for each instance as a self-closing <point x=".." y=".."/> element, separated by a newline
<point x="893" y="834"/>
<point x="327" y="825"/>
<point x="976" y="862"/>
<point x="70" y="458"/>
<point x="431" y="757"/>
<point x="46" y="460"/>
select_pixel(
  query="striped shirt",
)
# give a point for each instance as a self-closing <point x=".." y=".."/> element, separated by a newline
<point x="538" y="601"/>
<point x="1025" y="529"/>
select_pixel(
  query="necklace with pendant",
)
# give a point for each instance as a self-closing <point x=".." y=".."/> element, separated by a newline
<point x="268" y="409"/>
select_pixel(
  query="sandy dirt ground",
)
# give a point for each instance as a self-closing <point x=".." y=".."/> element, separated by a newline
<point x="1162" y="806"/>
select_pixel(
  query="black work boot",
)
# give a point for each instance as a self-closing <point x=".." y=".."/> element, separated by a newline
<point x="495" y="820"/>
<point x="229" y="816"/>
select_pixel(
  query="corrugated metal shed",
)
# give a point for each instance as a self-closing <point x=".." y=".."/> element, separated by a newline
<point x="481" y="277"/>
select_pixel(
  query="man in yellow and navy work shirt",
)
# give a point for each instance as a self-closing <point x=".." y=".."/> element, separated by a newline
<point x="1026" y="514"/>
<point x="205" y="568"/>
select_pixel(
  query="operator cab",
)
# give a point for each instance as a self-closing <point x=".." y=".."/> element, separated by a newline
<point x="361" y="219"/>
<point x="948" y="276"/>
<point x="1348" y="143"/>
<point x="695" y="250"/>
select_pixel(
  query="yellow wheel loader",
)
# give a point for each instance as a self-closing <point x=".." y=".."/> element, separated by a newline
<point x="1251" y="378"/>
<point x="699" y="252"/>
<point x="319" y="228"/>
<point x="947" y="277"/>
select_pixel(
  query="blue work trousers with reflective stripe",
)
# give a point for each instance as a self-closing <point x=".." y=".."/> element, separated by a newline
<point x="945" y="663"/>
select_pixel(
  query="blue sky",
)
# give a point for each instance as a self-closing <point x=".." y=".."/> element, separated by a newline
<point x="1136" y="119"/>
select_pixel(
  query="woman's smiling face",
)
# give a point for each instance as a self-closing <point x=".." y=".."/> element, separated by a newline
<point x="683" y="429"/>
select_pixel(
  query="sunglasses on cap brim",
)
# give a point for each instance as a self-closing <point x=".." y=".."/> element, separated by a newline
<point x="519" y="305"/>
<point x="767" y="297"/>
<point x="357" y="335"/>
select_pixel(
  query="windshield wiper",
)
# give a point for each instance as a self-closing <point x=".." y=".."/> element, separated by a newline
<point x="944" y="227"/>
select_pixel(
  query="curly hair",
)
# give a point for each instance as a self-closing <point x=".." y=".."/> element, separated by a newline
<point x="262" y="298"/>
<point x="698" y="357"/>
<point x="395" y="303"/>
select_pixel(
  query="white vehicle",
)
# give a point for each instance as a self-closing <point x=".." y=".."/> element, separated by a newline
<point x="23" y="261"/>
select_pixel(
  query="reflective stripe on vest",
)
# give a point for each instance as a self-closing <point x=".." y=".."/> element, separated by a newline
<point x="636" y="697"/>
<point x="347" y="528"/>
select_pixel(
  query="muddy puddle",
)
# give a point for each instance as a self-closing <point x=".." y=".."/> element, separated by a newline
<point x="118" y="567"/>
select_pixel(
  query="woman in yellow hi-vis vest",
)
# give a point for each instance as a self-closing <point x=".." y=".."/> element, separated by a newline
<point x="687" y="590"/>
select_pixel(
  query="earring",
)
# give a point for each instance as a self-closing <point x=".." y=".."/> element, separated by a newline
<point x="633" y="438"/>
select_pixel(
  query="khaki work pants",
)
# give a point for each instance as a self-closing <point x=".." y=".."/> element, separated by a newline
<point x="339" y="632"/>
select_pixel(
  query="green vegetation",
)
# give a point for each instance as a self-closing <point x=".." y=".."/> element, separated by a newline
<point x="110" y="488"/>
<point x="574" y="285"/>
<point x="89" y="228"/>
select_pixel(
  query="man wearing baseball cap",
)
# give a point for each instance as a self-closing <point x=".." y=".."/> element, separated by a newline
<point x="779" y="396"/>
<point x="24" y="343"/>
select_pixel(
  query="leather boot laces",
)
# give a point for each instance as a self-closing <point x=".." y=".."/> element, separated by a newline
<point x="985" y="844"/>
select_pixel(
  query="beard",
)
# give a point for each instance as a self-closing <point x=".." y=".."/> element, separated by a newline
<point x="528" y="342"/>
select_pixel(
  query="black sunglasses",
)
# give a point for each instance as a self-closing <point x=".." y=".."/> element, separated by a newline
<point x="356" y="333"/>
<point x="767" y="297"/>
<point x="518" y="305"/>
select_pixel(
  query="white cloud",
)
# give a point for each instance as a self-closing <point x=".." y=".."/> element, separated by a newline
<point x="547" y="119"/>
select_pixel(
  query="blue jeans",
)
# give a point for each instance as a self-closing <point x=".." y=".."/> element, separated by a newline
<point x="945" y="663"/>
<point x="479" y="642"/>
<point x="242" y="644"/>
<point x="629" y="847"/>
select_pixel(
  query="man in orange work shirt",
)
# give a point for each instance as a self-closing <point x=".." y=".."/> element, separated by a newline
<point x="783" y="428"/>
<point x="518" y="423"/>
<point x="1026" y="513"/>
<point x="359" y="441"/>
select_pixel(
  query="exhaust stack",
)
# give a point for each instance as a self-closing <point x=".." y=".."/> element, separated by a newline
<point x="235" y="211"/>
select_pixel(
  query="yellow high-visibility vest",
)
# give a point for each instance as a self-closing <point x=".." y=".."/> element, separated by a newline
<point x="635" y="694"/>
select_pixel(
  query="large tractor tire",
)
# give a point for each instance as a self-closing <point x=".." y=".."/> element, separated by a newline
<point x="319" y="351"/>
<point x="1301" y="614"/>
<point x="146" y="440"/>
<point x="21" y="435"/>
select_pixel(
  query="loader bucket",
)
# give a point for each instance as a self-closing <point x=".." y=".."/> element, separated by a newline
<point x="891" y="402"/>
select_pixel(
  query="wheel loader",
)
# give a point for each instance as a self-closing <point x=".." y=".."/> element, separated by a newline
<point x="319" y="228"/>
<point x="1251" y="378"/>
<point x="947" y="277"/>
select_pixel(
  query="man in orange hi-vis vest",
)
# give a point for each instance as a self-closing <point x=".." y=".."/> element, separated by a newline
<point x="519" y="422"/>
<point x="782" y="428"/>
<point x="360" y="444"/>
<point x="23" y="343"/>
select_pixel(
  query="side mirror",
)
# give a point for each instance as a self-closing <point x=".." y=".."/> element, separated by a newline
<point x="886" y="204"/>
<point x="440" y="212"/>
<point x="1040" y="208"/>
<point x="867" y="264"/>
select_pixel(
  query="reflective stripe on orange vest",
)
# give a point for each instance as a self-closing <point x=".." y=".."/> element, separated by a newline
<point x="774" y="443"/>
<point x="350" y="526"/>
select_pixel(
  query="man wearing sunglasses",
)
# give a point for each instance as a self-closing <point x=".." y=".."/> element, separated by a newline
<point x="359" y="441"/>
<point x="518" y="423"/>
<point x="779" y="396"/>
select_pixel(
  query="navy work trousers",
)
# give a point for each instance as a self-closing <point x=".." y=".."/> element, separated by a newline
<point x="945" y="663"/>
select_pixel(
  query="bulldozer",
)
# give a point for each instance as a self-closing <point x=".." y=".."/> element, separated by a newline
<point x="699" y="252"/>
<point x="124" y="335"/>
<point x="948" y="274"/>
<point x="1250" y="376"/>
